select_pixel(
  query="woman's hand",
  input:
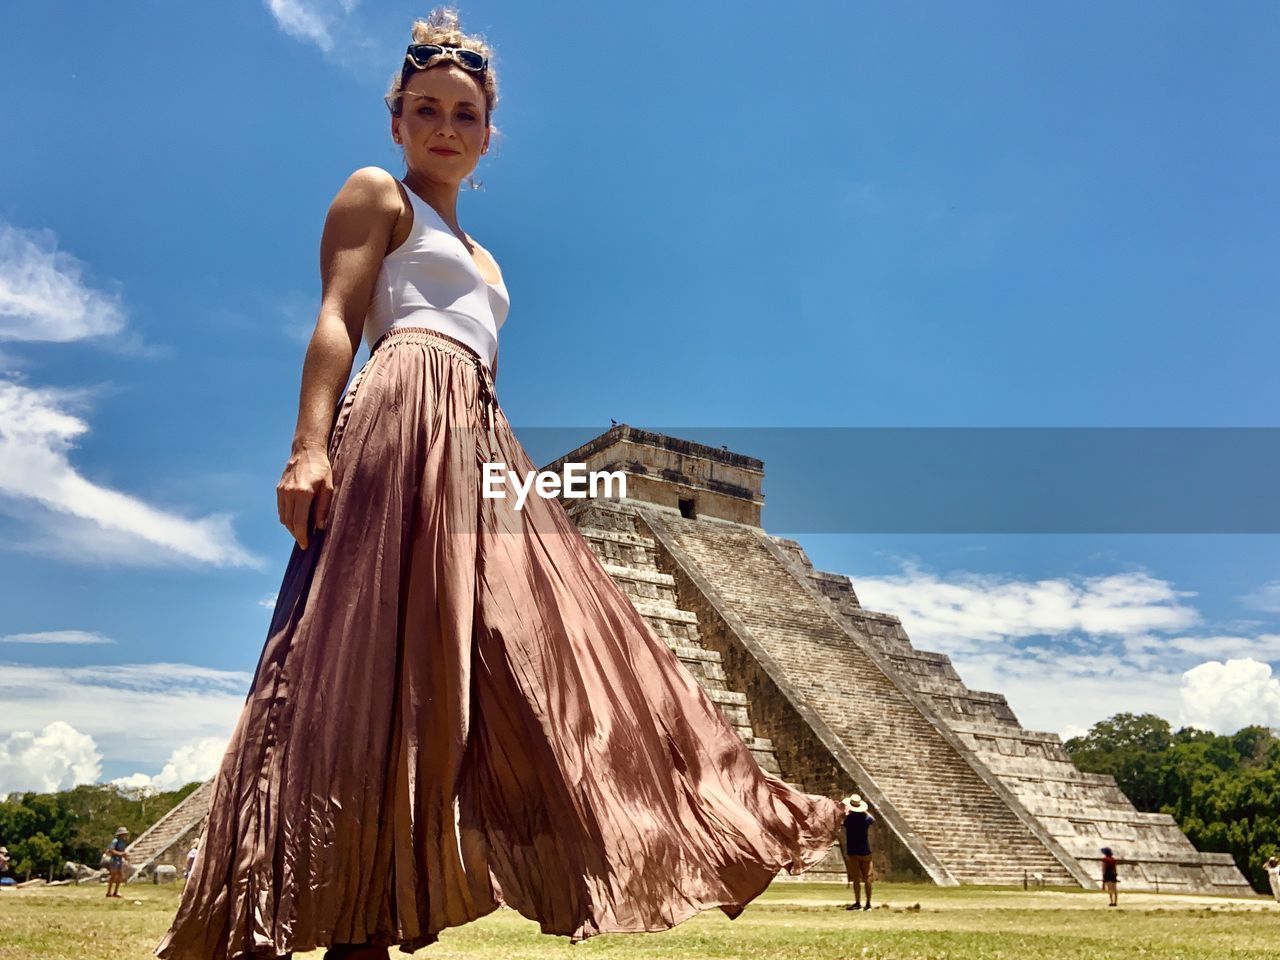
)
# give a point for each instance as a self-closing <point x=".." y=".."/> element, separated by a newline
<point x="307" y="479"/>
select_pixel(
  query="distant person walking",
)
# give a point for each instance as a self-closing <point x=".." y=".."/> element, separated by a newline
<point x="857" y="848"/>
<point x="1109" y="876"/>
<point x="1272" y="866"/>
<point x="191" y="858"/>
<point x="115" y="865"/>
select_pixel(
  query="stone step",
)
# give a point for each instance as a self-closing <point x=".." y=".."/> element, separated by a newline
<point x="1034" y="767"/>
<point x="619" y="537"/>
<point x="629" y="559"/>
<point x="639" y="574"/>
<point x="677" y="633"/>
<point x="938" y="792"/>
<point x="639" y="583"/>
<point x="655" y="610"/>
<point x="728" y="697"/>
<point x="599" y="515"/>
<point x="689" y="652"/>
<point x="767" y="761"/>
<point x="621" y="548"/>
<point x="709" y="675"/>
<point x="157" y="838"/>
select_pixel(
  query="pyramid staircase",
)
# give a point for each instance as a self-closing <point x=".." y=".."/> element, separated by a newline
<point x="960" y="821"/>
<point x="1083" y="812"/>
<point x="168" y="839"/>
<point x="628" y="556"/>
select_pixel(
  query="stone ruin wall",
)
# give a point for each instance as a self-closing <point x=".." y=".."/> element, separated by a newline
<point x="802" y="756"/>
<point x="1076" y="813"/>
<point x="1082" y="811"/>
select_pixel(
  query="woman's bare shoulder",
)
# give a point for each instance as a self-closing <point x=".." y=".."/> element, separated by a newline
<point x="370" y="190"/>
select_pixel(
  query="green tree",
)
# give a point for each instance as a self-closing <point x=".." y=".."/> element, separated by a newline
<point x="1224" y="791"/>
<point x="80" y="822"/>
<point x="37" y="855"/>
<point x="1129" y="747"/>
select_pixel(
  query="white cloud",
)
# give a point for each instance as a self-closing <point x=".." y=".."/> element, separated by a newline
<point x="1224" y="697"/>
<point x="312" y="21"/>
<point x="1069" y="731"/>
<point x="1265" y="598"/>
<point x="302" y="22"/>
<point x="60" y="757"/>
<point x="968" y="611"/>
<point x="42" y="295"/>
<point x="1264" y="646"/>
<point x="57" y="636"/>
<point x="78" y="519"/>
<point x="139" y="782"/>
<point x="269" y="602"/>
<point x="1067" y="653"/>
<point x="58" y="510"/>
<point x="191" y="761"/>
<point x="1067" y="693"/>
<point x="299" y="313"/>
<point x="152" y="714"/>
<point x="194" y="761"/>
<point x="56" y="758"/>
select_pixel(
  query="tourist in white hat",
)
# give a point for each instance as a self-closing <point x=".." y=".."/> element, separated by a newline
<point x="115" y="865"/>
<point x="857" y="848"/>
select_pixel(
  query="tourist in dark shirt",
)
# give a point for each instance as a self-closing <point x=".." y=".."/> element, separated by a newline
<point x="1109" y="878"/>
<point x="857" y="848"/>
<point x="115" y="864"/>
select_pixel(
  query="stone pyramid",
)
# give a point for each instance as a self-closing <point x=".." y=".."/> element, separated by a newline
<point x="835" y="698"/>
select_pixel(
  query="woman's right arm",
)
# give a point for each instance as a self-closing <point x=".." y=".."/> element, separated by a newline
<point x="357" y="232"/>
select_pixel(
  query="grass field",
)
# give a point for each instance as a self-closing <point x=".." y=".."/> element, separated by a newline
<point x="797" y="921"/>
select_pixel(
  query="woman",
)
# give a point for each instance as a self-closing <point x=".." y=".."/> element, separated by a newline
<point x="1110" y="879"/>
<point x="1272" y="867"/>
<point x="456" y="707"/>
<point x="192" y="853"/>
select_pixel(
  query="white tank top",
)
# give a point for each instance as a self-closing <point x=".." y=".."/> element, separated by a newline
<point x="431" y="281"/>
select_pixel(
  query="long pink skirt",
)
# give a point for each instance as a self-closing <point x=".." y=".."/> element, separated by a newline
<point x="458" y="708"/>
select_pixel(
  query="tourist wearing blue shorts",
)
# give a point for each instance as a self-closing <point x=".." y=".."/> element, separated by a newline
<point x="115" y="863"/>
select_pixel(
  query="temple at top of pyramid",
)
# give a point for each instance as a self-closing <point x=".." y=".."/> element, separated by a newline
<point x="834" y="697"/>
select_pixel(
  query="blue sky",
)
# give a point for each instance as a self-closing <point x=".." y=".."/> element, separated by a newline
<point x="895" y="214"/>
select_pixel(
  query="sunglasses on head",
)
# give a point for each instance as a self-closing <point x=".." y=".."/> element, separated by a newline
<point x="420" y="54"/>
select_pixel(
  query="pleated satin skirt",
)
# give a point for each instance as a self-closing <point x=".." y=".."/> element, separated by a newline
<point x="456" y="708"/>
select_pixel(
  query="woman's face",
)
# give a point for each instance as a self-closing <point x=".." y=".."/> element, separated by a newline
<point x="441" y="123"/>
